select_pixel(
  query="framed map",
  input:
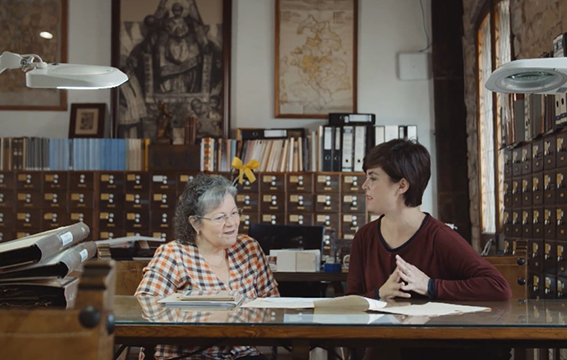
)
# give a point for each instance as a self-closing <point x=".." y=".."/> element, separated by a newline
<point x="316" y="57"/>
<point x="33" y="27"/>
<point x="176" y="54"/>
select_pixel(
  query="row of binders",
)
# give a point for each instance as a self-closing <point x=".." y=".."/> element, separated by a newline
<point x="42" y="269"/>
<point x="328" y="148"/>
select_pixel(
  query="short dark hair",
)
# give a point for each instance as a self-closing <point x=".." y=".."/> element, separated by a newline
<point x="402" y="159"/>
<point x="201" y="195"/>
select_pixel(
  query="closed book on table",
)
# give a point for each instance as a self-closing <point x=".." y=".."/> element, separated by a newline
<point x="58" y="266"/>
<point x="45" y="292"/>
<point x="204" y="298"/>
<point x="41" y="246"/>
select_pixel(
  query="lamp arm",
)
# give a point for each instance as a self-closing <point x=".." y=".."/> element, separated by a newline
<point x="9" y="60"/>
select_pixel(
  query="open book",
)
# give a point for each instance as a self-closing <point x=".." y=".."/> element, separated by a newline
<point x="204" y="298"/>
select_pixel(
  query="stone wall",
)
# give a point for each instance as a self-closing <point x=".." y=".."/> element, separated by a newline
<point x="534" y="25"/>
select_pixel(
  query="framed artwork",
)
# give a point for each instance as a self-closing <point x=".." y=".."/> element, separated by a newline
<point x="32" y="27"/>
<point x="87" y="120"/>
<point x="176" y="54"/>
<point x="316" y="57"/>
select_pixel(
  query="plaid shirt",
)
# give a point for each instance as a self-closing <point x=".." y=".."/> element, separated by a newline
<point x="176" y="267"/>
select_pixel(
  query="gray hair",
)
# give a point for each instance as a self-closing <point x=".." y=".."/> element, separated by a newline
<point x="201" y="195"/>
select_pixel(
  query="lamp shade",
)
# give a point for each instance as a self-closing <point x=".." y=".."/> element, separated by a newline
<point x="72" y="76"/>
<point x="530" y="76"/>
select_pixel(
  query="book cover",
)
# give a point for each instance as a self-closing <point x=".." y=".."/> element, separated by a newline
<point x="38" y="247"/>
<point x="204" y="298"/>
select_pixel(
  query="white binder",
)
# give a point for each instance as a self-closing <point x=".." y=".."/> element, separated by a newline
<point x="348" y="142"/>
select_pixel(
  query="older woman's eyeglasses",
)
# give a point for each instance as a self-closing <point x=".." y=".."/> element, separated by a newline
<point x="222" y="219"/>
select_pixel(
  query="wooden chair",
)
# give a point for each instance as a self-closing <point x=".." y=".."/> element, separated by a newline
<point x="85" y="332"/>
<point x="514" y="268"/>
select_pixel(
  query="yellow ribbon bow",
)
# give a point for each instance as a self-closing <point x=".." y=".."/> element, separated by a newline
<point x="245" y="169"/>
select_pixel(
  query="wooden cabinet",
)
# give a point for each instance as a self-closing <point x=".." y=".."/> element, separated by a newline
<point x="117" y="203"/>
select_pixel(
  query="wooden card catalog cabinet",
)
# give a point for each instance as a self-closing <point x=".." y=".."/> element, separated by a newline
<point x="182" y="180"/>
<point x="28" y="219"/>
<point x="112" y="182"/>
<point x="508" y="163"/>
<point x="55" y="199"/>
<point x="7" y="180"/>
<point x="537" y="189"/>
<point x="54" y="219"/>
<point x="300" y="203"/>
<point x="7" y="198"/>
<point x="163" y="181"/>
<point x="137" y="221"/>
<point x="560" y="186"/>
<point x="272" y="202"/>
<point x="351" y="223"/>
<point x="29" y="181"/>
<point x="327" y="202"/>
<point x="561" y="281"/>
<point x="537" y="155"/>
<point x="561" y="246"/>
<point x="163" y="199"/>
<point x="328" y="221"/>
<point x="300" y="183"/>
<point x="248" y="201"/>
<point x="526" y="159"/>
<point x="161" y="220"/>
<point x="353" y="203"/>
<point x="352" y="184"/>
<point x="549" y="222"/>
<point x="537" y="222"/>
<point x="246" y="219"/>
<point x="549" y="177"/>
<point x="111" y="220"/>
<point x="535" y="288"/>
<point x="535" y="255"/>
<point x="137" y="182"/>
<point x="111" y="201"/>
<point x="516" y="223"/>
<point x="57" y="180"/>
<point x="561" y="149"/>
<point x="274" y="219"/>
<point x="549" y="256"/>
<point x="527" y="186"/>
<point x="527" y="223"/>
<point x="549" y="158"/>
<point x="561" y="222"/>
<point x="517" y="162"/>
<point x="516" y="192"/>
<point x="137" y="200"/>
<point x="300" y="219"/>
<point x="327" y="183"/>
<point x="272" y="183"/>
<point x="28" y="199"/>
<point x="81" y="199"/>
<point x="81" y="180"/>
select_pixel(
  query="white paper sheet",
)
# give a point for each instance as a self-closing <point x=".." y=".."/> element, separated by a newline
<point x="433" y="309"/>
<point x="281" y="303"/>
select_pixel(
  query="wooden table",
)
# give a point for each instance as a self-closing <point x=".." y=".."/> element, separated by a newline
<point x="517" y="323"/>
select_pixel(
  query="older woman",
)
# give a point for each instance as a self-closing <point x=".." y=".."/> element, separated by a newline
<point x="209" y="255"/>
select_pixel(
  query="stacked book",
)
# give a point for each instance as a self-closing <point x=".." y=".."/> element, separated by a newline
<point x="43" y="269"/>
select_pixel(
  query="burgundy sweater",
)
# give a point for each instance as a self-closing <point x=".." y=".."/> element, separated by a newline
<point x="459" y="273"/>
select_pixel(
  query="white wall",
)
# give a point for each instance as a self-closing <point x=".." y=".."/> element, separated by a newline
<point x="386" y="27"/>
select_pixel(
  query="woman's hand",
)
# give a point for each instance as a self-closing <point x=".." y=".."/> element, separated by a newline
<point x="393" y="287"/>
<point x="413" y="278"/>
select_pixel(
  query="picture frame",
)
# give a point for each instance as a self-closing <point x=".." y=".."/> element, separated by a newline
<point x="178" y="64"/>
<point x="315" y="58"/>
<point x="87" y="120"/>
<point x="28" y="18"/>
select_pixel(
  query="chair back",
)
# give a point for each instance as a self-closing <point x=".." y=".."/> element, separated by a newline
<point x="514" y="268"/>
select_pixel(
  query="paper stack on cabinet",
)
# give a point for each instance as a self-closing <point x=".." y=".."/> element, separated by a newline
<point x="293" y="260"/>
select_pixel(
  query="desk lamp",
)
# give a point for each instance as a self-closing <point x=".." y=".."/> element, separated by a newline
<point x="62" y="76"/>
<point x="530" y="76"/>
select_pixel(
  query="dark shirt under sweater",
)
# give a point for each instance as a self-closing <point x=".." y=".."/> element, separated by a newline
<point x="458" y="272"/>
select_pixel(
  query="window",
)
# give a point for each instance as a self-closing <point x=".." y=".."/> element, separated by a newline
<point x="493" y="50"/>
